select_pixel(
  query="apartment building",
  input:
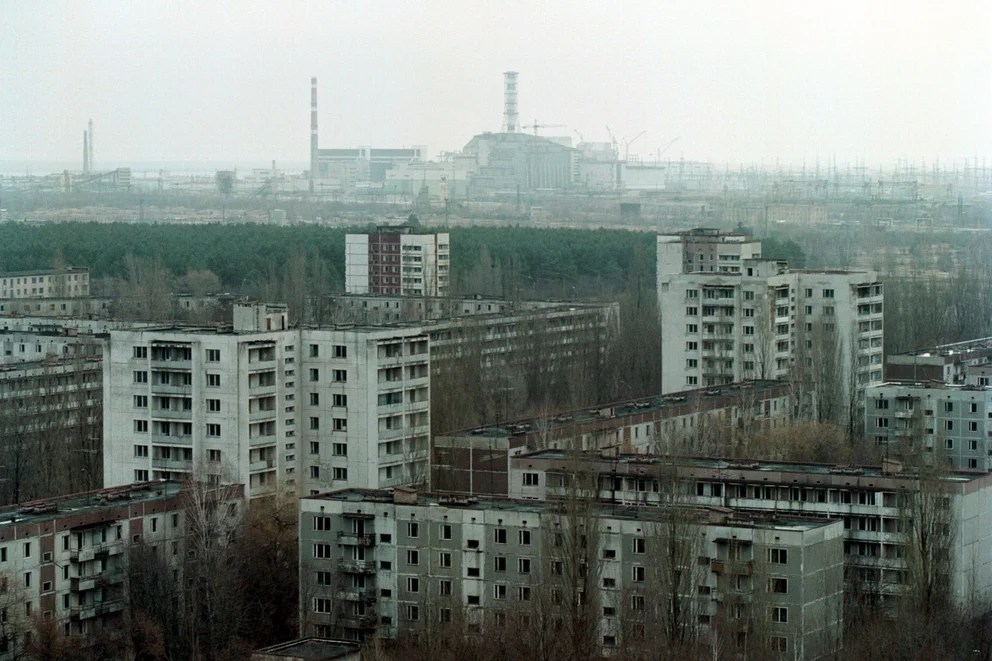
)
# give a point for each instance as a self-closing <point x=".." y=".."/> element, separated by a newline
<point x="477" y="460"/>
<point x="869" y="501"/>
<point x="727" y="315"/>
<point x="952" y="422"/>
<point x="51" y="416"/>
<point x="65" y="559"/>
<point x="396" y="261"/>
<point x="280" y="410"/>
<point x="397" y="562"/>
<point x="69" y="282"/>
<point x="954" y="364"/>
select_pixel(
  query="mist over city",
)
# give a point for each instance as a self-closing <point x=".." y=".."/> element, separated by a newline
<point x="436" y="331"/>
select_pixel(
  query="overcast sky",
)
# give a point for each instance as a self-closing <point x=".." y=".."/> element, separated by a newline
<point x="747" y="81"/>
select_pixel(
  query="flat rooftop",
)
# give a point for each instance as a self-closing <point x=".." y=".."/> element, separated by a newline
<point x="626" y="408"/>
<point x="706" y="515"/>
<point x="953" y="350"/>
<point x="90" y="501"/>
<point x="312" y="649"/>
<point x="930" y="385"/>
<point x="718" y="464"/>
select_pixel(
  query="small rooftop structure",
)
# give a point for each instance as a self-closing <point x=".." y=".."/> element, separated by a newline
<point x="310" y="649"/>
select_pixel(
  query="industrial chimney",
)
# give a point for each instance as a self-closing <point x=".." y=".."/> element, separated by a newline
<point x="86" y="153"/>
<point x="313" y="131"/>
<point x="90" y="166"/>
<point x="510" y="102"/>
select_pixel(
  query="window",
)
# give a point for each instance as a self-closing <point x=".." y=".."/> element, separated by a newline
<point x="140" y="376"/>
<point x="314" y="399"/>
<point x="499" y="563"/>
<point x="141" y="401"/>
<point x="213" y="429"/>
<point x="413" y="529"/>
<point x="340" y="424"/>
<point x="691" y="346"/>
<point x="213" y="355"/>
<point x="340" y="473"/>
<point x="637" y="574"/>
<point x="779" y="644"/>
<point x="445" y="531"/>
<point x="444" y="559"/>
<point x="315" y="472"/>
<point x="523" y="565"/>
<point x="340" y="400"/>
<point x="638" y="545"/>
<point x="780" y="614"/>
<point x="691" y="328"/>
<point x="314" y="374"/>
<point x="828" y="293"/>
<point x="691" y="311"/>
<point x="339" y="376"/>
<point x="213" y="405"/>
<point x="499" y="591"/>
<point x="778" y="556"/>
<point x="948" y="407"/>
<point x="314" y="447"/>
<point x="778" y="585"/>
<point x="499" y="535"/>
<point x="412" y="584"/>
<point x="524" y="537"/>
<point x="213" y="380"/>
<point x="444" y="588"/>
<point x="340" y="351"/>
<point x="530" y="479"/>
<point x="314" y="351"/>
<point x="339" y="449"/>
<point x="523" y="593"/>
<point x="141" y="426"/>
<point x="140" y="352"/>
<point x="140" y="475"/>
<point x="412" y="612"/>
<point x="140" y="450"/>
<point x="314" y="422"/>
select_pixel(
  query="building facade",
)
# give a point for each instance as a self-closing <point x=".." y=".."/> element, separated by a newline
<point x="477" y="460"/>
<point x="71" y="282"/>
<point x="65" y="559"/>
<point x="870" y="501"/>
<point x="281" y="410"/>
<point x="397" y="262"/>
<point x="395" y="563"/>
<point x="51" y="418"/>
<point x="727" y="315"/>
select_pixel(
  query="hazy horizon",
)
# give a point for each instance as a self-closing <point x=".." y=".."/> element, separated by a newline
<point x="753" y="83"/>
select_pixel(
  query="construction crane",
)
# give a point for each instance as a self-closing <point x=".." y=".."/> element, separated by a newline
<point x="613" y="140"/>
<point x="536" y="126"/>
<point x="628" y="143"/>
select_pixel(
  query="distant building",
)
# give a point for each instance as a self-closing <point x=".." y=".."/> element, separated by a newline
<point x="512" y="162"/>
<point x="728" y="315"/>
<point x="382" y="563"/>
<point x="397" y="261"/>
<point x="71" y="282"/>
<point x="957" y="363"/>
<point x="477" y="461"/>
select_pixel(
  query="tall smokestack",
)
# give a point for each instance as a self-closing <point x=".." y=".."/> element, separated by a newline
<point x="92" y="165"/>
<point x="510" y="102"/>
<point x="313" y="131"/>
<point x="86" y="153"/>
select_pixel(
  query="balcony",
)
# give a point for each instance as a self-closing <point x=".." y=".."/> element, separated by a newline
<point x="259" y="416"/>
<point x="367" y="621"/>
<point x="366" y="567"/>
<point x="96" y="610"/>
<point x="83" y="583"/>
<point x="173" y="465"/>
<point x="172" y="414"/>
<point x="165" y="364"/>
<point x="88" y="553"/>
<point x="362" y="596"/>
<point x="265" y="464"/>
<point x="172" y="439"/>
<point x="172" y="389"/>
<point x="355" y="539"/>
